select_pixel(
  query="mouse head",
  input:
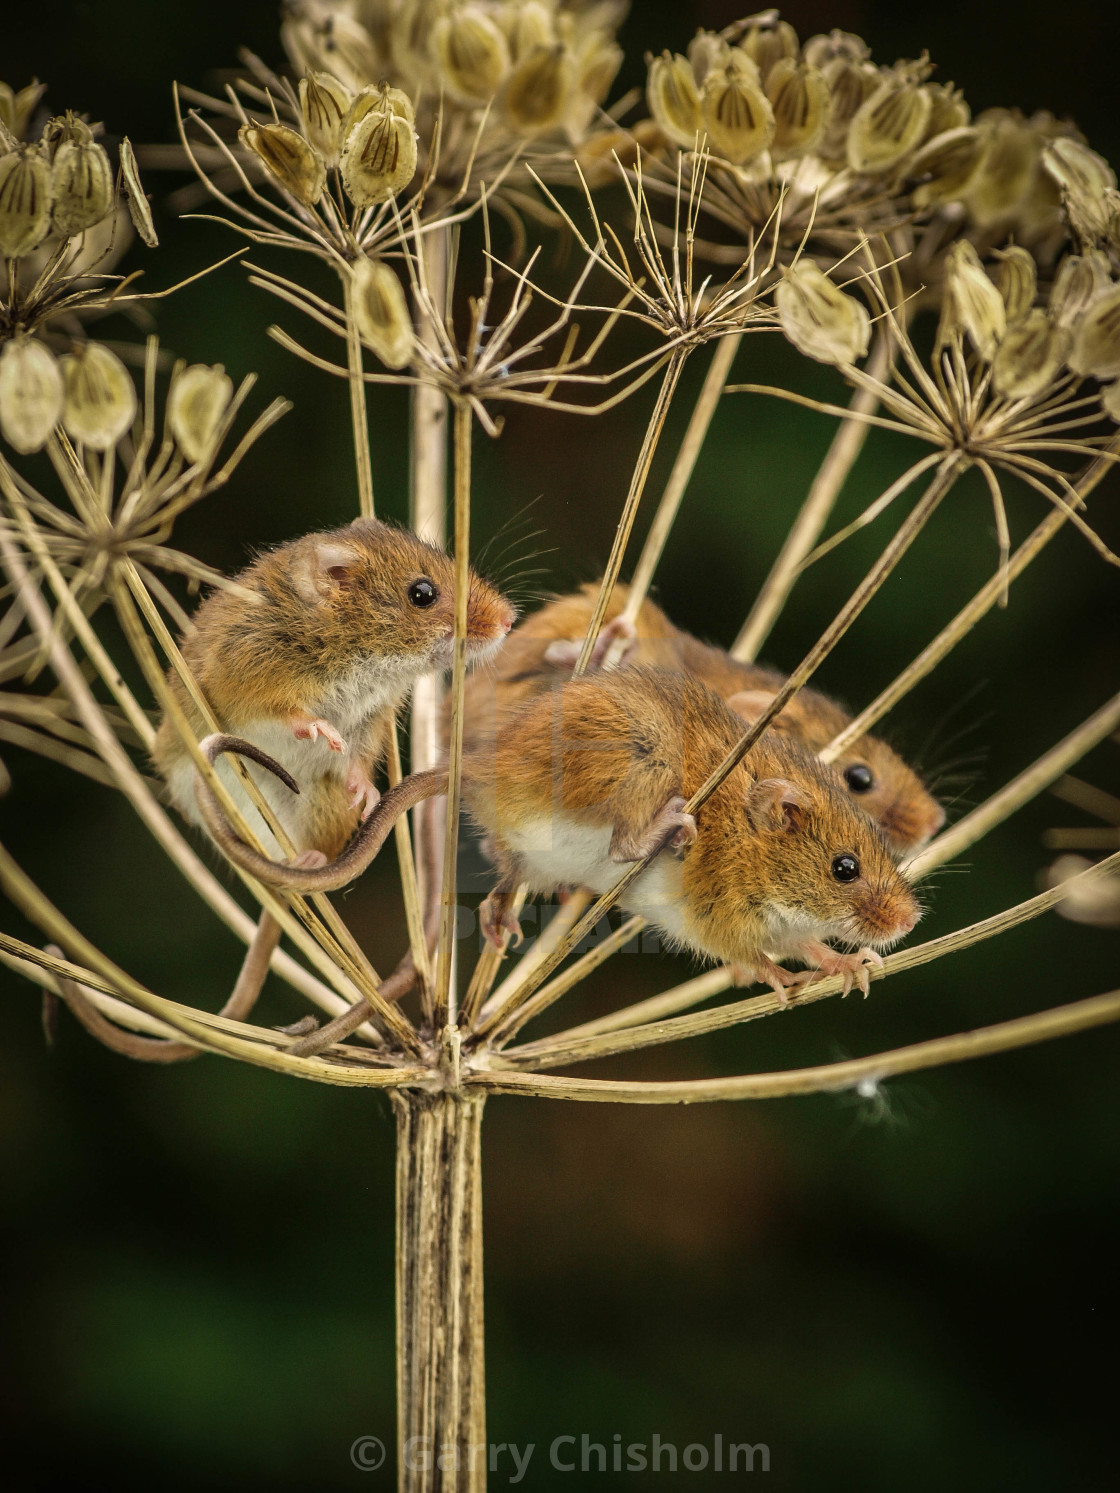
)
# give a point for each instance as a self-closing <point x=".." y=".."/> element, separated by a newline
<point x="395" y="595"/>
<point x="876" y="777"/>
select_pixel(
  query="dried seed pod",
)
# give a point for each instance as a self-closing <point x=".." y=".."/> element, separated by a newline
<point x="1080" y="280"/>
<point x="527" y="24"/>
<point x="538" y="89"/>
<point x="1007" y="170"/>
<point x="1030" y="357"/>
<point x="139" y="209"/>
<point x="25" y="201"/>
<point x="598" y="60"/>
<point x="324" y="103"/>
<point x="674" y="99"/>
<point x="16" y="108"/>
<point x="707" y="51"/>
<point x="767" y="44"/>
<point x="336" y="44"/>
<point x="100" y="400"/>
<point x="819" y="318"/>
<point x="948" y="110"/>
<point x="850" y="83"/>
<point x="835" y="46"/>
<point x="1096" y="338"/>
<point x="944" y="167"/>
<point x="31" y="394"/>
<point x="889" y="125"/>
<point x="82" y="183"/>
<point x="472" y="53"/>
<point x="971" y="304"/>
<point x="378" y="157"/>
<point x="737" y="114"/>
<point x="288" y="159"/>
<point x="381" y="312"/>
<point x="370" y="100"/>
<point x="196" y="406"/>
<point x="799" y="98"/>
<point x="1017" y="280"/>
<point x="1086" y="182"/>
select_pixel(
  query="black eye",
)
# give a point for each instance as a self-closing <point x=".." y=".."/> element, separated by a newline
<point x="845" y="868"/>
<point x="859" y="778"/>
<point x="422" y="592"/>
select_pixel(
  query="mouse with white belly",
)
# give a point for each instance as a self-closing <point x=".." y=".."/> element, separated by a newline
<point x="596" y="774"/>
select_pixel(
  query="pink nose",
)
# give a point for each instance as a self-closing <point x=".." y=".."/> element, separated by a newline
<point x="908" y="921"/>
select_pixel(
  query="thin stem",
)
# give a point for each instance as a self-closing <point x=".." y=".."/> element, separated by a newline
<point x="358" y="416"/>
<point x="413" y="912"/>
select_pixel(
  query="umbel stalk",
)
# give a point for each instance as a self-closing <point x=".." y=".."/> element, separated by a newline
<point x="441" y="1401"/>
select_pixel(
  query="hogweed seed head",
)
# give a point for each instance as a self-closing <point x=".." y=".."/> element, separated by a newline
<point x="1030" y="356"/>
<point x="948" y="109"/>
<point x="707" y="51"/>
<point x="971" y="305"/>
<point x="944" y="167"/>
<point x="139" y="208"/>
<point x="1096" y="338"/>
<point x="196" y="406"/>
<point x="674" y="99"/>
<point x="17" y="107"/>
<point x="323" y="103"/>
<point x="472" y="53"/>
<point x="799" y="97"/>
<point x="526" y="24"/>
<point x="1080" y="280"/>
<point x="767" y="45"/>
<point x="1087" y="184"/>
<point x="26" y="198"/>
<point x="1017" y="280"/>
<point x="381" y="312"/>
<point x="1007" y="170"/>
<point x="738" y="116"/>
<point x="889" y="125"/>
<point x="82" y="183"/>
<point x="538" y="90"/>
<point x="378" y="157"/>
<point x="31" y="394"/>
<point x="99" y="401"/>
<point x="288" y="159"/>
<point x="818" y="317"/>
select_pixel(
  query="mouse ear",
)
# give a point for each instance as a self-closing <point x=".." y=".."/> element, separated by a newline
<point x="750" y="703"/>
<point x="322" y="567"/>
<point x="776" y="803"/>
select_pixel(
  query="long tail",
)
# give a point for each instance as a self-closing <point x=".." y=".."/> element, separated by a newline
<point x="351" y="862"/>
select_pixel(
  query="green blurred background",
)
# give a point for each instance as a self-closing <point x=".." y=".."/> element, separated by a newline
<point x="913" y="1291"/>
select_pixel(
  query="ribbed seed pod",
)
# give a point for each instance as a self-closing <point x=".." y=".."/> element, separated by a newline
<point x="288" y="159"/>
<point x="944" y="167"/>
<point x="1030" y="357"/>
<point x="25" y="202"/>
<point x="1007" y="171"/>
<point x="196" y="405"/>
<point x="850" y="83"/>
<point x="16" y="108"/>
<point x="537" y="92"/>
<point x="82" y="184"/>
<point x="1017" y="280"/>
<point x="338" y="45"/>
<point x="30" y="394"/>
<point x="766" y="45"/>
<point x="889" y="125"/>
<point x="674" y="99"/>
<point x="139" y="209"/>
<point x="1096" y="338"/>
<point x="381" y="312"/>
<point x="834" y="46"/>
<point x="100" y="399"/>
<point x="472" y="53"/>
<point x="1081" y="279"/>
<point x="324" y="103"/>
<point x="598" y="60"/>
<point x="819" y="318"/>
<point x="1087" y="184"/>
<point x="527" y="24"/>
<point x="737" y="114"/>
<point x="799" y="98"/>
<point x="971" y="304"/>
<point x="707" y="51"/>
<point x="375" y="97"/>
<point x="378" y="157"/>
<point x="948" y="110"/>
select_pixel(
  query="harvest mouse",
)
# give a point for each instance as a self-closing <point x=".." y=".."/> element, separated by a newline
<point x="337" y="627"/>
<point x="590" y="777"/>
<point x="543" y="647"/>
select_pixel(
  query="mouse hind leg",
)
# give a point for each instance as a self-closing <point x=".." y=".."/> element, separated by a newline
<point x="672" y="825"/>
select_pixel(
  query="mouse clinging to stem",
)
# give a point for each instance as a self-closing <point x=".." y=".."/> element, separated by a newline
<point x="308" y="655"/>
<point x="585" y="779"/>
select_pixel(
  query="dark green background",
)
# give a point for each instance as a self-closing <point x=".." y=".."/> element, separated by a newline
<point x="910" y="1294"/>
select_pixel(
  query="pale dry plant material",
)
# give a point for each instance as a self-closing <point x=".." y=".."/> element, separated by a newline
<point x="837" y="188"/>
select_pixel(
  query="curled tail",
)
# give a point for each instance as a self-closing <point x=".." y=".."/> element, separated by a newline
<point x="352" y="861"/>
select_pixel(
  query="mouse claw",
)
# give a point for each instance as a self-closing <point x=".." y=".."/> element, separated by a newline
<point x="363" y="793"/>
<point x="563" y="653"/>
<point x="496" y="919"/>
<point x="780" y="980"/>
<point x="307" y="729"/>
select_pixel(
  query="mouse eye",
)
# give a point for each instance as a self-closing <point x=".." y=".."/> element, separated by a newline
<point x="423" y="592"/>
<point x="845" y="868"/>
<point x="859" y="778"/>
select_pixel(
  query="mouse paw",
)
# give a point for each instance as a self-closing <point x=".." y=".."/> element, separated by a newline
<point x="308" y="860"/>
<point x="563" y="653"/>
<point x="853" y="967"/>
<point x="496" y="919"/>
<point x="671" y="826"/>
<point x="304" y="728"/>
<point x="363" y="793"/>
<point x="766" y="972"/>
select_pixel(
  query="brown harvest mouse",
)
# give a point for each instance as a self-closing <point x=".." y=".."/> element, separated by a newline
<point x="544" y="646"/>
<point x="595" y="775"/>
<point x="337" y="628"/>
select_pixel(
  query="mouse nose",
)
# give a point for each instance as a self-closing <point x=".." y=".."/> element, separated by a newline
<point x="908" y="921"/>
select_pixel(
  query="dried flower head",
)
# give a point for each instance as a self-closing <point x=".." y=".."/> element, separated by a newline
<point x="288" y="158"/>
<point x="381" y="312"/>
<point x="324" y="103"/>
<point x="82" y="185"/>
<point x="31" y="394"/>
<point x="472" y="53"/>
<point x="378" y="157"/>
<point x="819" y="318"/>
<point x="26" y="197"/>
<point x="197" y="404"/>
<point x="99" y="398"/>
<point x="972" y="306"/>
<point x="738" y="117"/>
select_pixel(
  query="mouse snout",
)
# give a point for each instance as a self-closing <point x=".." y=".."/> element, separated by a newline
<point x="888" y="911"/>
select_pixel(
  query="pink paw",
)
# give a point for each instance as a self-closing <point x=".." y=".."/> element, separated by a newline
<point x="363" y="793"/>
<point x="496" y="920"/>
<point x="312" y="730"/>
<point x="308" y="860"/>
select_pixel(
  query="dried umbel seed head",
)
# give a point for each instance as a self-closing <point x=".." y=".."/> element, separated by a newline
<point x="323" y="103"/>
<point x="971" y="304"/>
<point x="25" y="201"/>
<point x="767" y="44"/>
<point x="598" y="59"/>
<point x="819" y="318"/>
<point x="944" y="167"/>
<point x="82" y="182"/>
<point x="1030" y="357"/>
<point x="799" y="98"/>
<point x="1081" y="279"/>
<point x="1096" y="338"/>
<point x="527" y="24"/>
<point x="378" y="157"/>
<point x="1007" y="170"/>
<point x="737" y="114"/>
<point x="139" y="209"/>
<point x="16" y="108"/>
<point x="196" y="406"/>
<point x="674" y="99"/>
<point x="890" y="125"/>
<point x="30" y="394"/>
<point x="850" y="83"/>
<point x="707" y="51"/>
<point x="333" y="43"/>
<point x="288" y="159"/>
<point x="381" y="312"/>
<point x="537" y="91"/>
<point x="835" y="46"/>
<point x="472" y="53"/>
<point x="375" y="99"/>
<point x="948" y="110"/>
<point x="1017" y="280"/>
<point x="99" y="401"/>
<point x="1087" y="184"/>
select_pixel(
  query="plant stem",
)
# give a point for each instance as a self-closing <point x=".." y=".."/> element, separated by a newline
<point x="441" y="1407"/>
<point x="358" y="416"/>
